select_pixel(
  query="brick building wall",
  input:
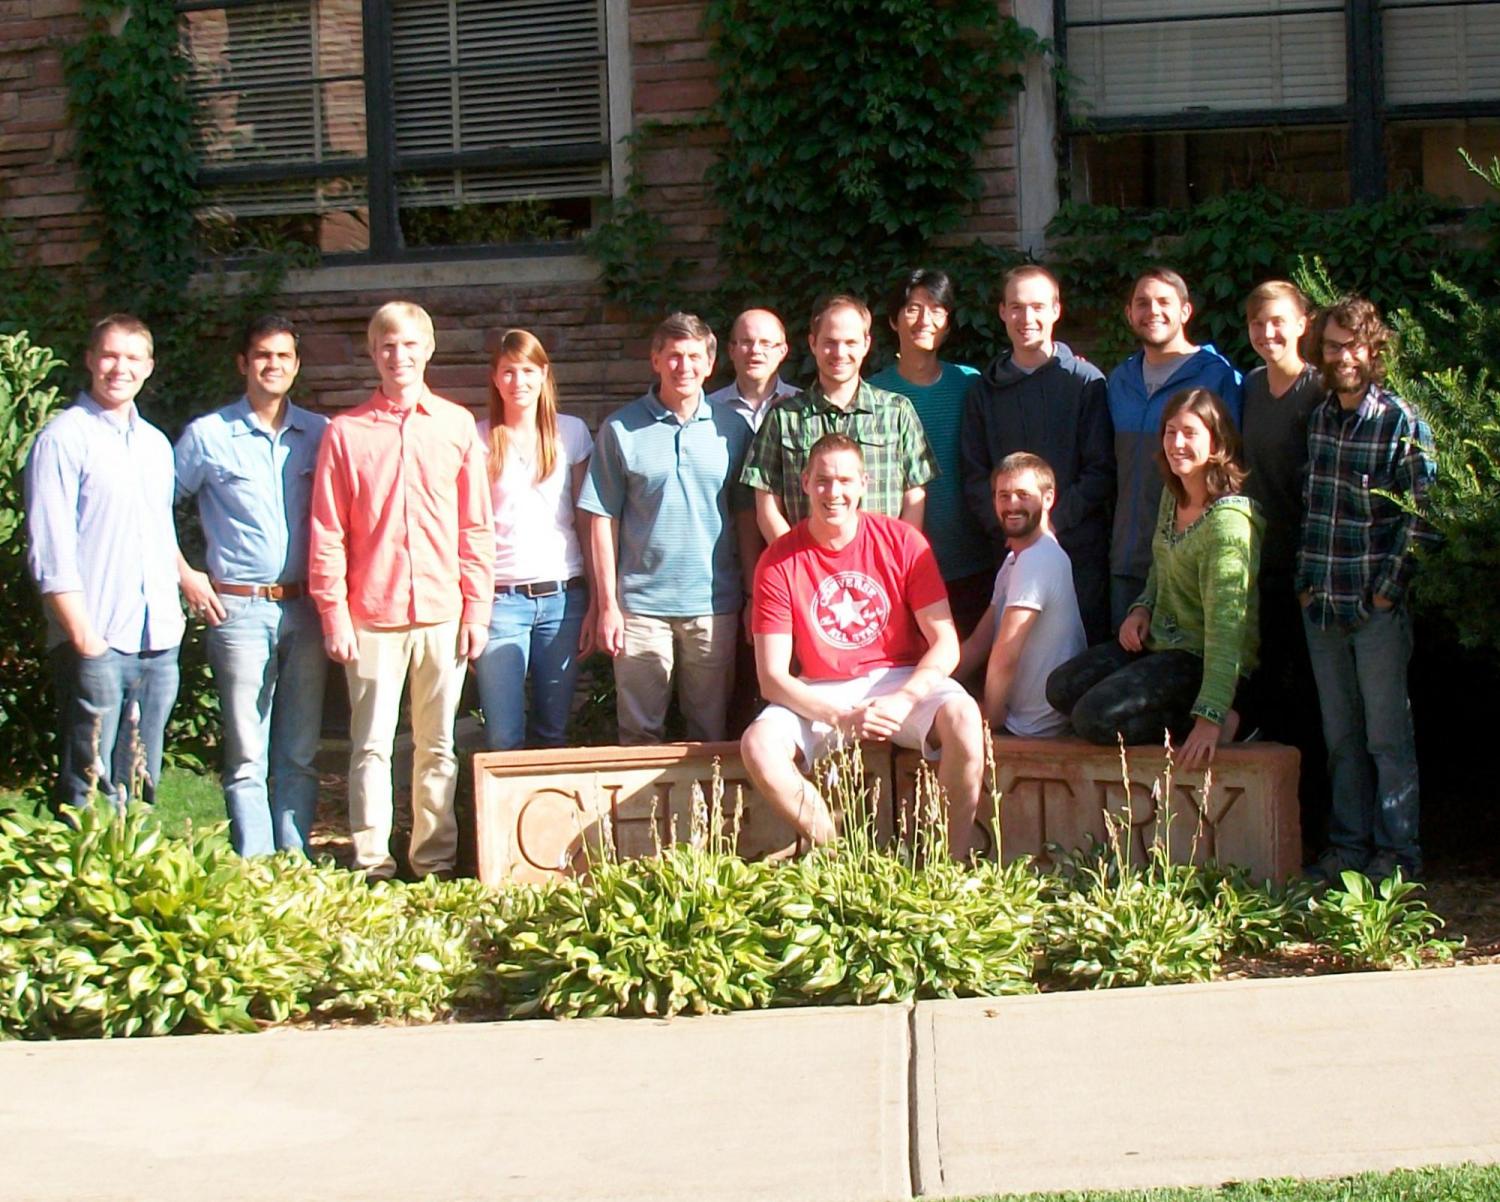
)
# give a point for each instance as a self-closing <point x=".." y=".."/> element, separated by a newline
<point x="600" y="351"/>
<point x="41" y="195"/>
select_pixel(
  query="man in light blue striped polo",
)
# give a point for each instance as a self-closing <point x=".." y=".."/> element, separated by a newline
<point x="665" y="514"/>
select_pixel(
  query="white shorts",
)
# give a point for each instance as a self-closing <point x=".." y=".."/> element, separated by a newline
<point x="814" y="739"/>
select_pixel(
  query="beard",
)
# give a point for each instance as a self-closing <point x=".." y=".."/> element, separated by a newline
<point x="1028" y="525"/>
<point x="1361" y="376"/>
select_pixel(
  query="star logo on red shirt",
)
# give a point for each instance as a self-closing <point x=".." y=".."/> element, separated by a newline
<point x="850" y="610"/>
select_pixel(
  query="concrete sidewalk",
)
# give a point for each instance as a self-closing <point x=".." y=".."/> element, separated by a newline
<point x="1194" y="1084"/>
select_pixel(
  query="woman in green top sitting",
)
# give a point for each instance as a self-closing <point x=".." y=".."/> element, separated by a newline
<point x="1192" y="636"/>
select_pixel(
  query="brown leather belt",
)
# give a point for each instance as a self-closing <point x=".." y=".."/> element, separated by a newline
<point x="271" y="592"/>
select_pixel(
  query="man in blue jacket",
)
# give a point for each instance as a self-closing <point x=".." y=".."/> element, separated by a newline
<point x="1040" y="398"/>
<point x="1158" y="311"/>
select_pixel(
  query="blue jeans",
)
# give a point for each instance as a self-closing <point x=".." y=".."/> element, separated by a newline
<point x="536" y="636"/>
<point x="1372" y="750"/>
<point x="109" y="707"/>
<point x="270" y="669"/>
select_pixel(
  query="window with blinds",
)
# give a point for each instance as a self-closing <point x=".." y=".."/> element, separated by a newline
<point x="471" y="120"/>
<point x="1328" y="101"/>
<point x="1436" y="51"/>
<point x="1140" y="58"/>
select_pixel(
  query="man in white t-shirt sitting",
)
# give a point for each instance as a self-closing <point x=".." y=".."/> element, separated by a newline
<point x="1033" y="623"/>
<point x="858" y="599"/>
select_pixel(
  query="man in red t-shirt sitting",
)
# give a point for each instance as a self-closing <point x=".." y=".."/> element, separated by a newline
<point x="858" y="599"/>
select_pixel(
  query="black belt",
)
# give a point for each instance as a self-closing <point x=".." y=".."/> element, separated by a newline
<point x="540" y="588"/>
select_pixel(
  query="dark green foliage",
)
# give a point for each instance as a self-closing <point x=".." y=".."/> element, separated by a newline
<point x="26" y="401"/>
<point x="853" y="131"/>
<point x="1224" y="247"/>
<point x="133" y="124"/>
<point x="1443" y="360"/>
<point x="851" y="136"/>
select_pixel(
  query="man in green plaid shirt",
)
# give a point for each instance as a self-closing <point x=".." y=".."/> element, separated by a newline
<point x="1366" y="447"/>
<point x="885" y="425"/>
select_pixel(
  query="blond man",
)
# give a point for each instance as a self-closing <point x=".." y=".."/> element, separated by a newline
<point x="401" y="570"/>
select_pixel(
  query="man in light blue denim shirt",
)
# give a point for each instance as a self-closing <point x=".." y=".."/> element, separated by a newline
<point x="250" y="465"/>
<point x="103" y="551"/>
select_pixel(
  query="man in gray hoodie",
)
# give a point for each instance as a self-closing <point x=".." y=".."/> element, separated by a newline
<point x="1041" y="398"/>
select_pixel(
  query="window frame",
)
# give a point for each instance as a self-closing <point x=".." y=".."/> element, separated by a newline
<point x="381" y="164"/>
<point x="1364" y="112"/>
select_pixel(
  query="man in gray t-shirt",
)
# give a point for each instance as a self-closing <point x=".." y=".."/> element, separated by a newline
<point x="1032" y="625"/>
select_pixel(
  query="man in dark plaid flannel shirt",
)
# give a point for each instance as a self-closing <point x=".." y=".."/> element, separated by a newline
<point x="1356" y="557"/>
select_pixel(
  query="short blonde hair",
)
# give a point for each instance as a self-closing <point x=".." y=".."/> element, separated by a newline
<point x="1271" y="290"/>
<point x="392" y="314"/>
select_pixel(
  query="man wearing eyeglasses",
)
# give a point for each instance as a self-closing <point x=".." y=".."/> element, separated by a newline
<point x="757" y="348"/>
<point x="1368" y="452"/>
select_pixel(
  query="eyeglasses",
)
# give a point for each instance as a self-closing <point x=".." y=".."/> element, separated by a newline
<point x="1337" y="350"/>
<point x="756" y="344"/>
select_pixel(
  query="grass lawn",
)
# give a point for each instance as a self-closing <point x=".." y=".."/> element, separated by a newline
<point x="1465" y="1183"/>
<point x="185" y="799"/>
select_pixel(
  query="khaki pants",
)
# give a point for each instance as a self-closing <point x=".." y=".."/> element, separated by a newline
<point x="702" y="652"/>
<point x="384" y="660"/>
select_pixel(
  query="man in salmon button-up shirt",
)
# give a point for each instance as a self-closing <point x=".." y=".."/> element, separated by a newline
<point x="401" y="570"/>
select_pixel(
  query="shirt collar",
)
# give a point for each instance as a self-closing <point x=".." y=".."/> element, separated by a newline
<point x="660" y="412"/>
<point x="123" y="418"/>
<point x="864" y="398"/>
<point x="385" y="404"/>
<point x="780" y="392"/>
<point x="242" y="421"/>
<point x="1369" y="405"/>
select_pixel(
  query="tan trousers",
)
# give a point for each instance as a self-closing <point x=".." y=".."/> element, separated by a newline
<point x="702" y="652"/>
<point x="384" y="661"/>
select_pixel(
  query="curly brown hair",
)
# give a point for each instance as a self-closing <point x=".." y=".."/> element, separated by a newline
<point x="1362" y="319"/>
<point x="1224" y="474"/>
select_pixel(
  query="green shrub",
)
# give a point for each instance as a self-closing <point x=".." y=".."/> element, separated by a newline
<point x="1384" y="249"/>
<point x="108" y="927"/>
<point x="1442" y="360"/>
<point x="1365" y="925"/>
<point x="26" y="402"/>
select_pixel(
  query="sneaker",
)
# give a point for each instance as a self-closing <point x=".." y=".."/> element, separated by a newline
<point x="1332" y="865"/>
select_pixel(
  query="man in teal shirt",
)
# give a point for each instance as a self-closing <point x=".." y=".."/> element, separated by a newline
<point x="663" y="532"/>
<point x="920" y="311"/>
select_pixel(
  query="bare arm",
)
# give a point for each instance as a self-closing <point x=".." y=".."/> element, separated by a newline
<point x="914" y="506"/>
<point x="603" y="536"/>
<point x="198" y="591"/>
<point x="976" y="648"/>
<point x="1016" y="625"/>
<point x="770" y="516"/>
<point x="883" y="717"/>
<point x="588" y="635"/>
<point x="773" y="664"/>
<point x="748" y="534"/>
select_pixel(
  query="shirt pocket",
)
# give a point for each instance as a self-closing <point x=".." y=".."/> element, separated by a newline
<point x="1355" y="496"/>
